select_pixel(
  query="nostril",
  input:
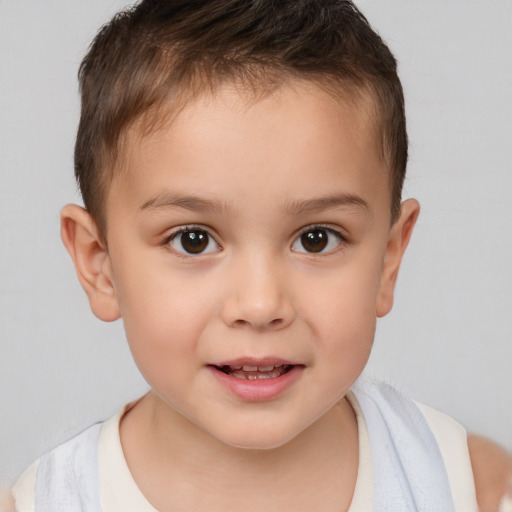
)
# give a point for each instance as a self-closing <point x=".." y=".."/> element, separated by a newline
<point x="240" y="323"/>
<point x="276" y="322"/>
<point x="273" y="324"/>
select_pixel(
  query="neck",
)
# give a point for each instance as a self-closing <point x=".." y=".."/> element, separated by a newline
<point x="172" y="460"/>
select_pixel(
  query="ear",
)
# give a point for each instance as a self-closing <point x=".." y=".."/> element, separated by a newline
<point x="92" y="263"/>
<point x="399" y="237"/>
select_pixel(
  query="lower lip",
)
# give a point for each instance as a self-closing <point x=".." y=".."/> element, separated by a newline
<point x="257" y="390"/>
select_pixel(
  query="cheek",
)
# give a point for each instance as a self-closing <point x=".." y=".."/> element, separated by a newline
<point x="349" y="339"/>
<point x="342" y="310"/>
<point x="163" y="341"/>
<point x="164" y="318"/>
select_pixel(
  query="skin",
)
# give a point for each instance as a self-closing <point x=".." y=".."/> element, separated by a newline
<point x="252" y="176"/>
<point x="6" y="501"/>
<point x="492" y="469"/>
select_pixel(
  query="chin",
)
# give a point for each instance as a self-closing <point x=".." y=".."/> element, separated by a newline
<point x="257" y="438"/>
<point x="259" y="444"/>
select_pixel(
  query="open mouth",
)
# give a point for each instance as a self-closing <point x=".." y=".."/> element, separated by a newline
<point x="256" y="380"/>
<point x="255" y="372"/>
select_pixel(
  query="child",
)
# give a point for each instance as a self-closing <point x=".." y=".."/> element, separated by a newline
<point x="241" y="164"/>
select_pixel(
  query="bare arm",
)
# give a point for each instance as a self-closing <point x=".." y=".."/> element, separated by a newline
<point x="6" y="501"/>
<point x="492" y="469"/>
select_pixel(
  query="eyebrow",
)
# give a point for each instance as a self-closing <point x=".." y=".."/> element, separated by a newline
<point x="317" y="205"/>
<point x="192" y="203"/>
<point x="295" y="207"/>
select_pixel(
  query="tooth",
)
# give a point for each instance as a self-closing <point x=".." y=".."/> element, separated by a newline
<point x="265" y="368"/>
<point x="250" y="368"/>
<point x="236" y="367"/>
<point x="252" y="377"/>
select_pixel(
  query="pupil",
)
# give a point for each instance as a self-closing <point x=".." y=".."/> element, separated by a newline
<point x="314" y="241"/>
<point x="194" y="242"/>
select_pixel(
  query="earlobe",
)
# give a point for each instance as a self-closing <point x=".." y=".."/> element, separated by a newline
<point x="92" y="263"/>
<point x="399" y="237"/>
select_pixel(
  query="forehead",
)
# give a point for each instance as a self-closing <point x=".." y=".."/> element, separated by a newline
<point x="233" y="145"/>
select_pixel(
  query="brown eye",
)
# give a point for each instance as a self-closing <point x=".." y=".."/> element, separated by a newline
<point x="317" y="240"/>
<point x="193" y="241"/>
<point x="314" y="241"/>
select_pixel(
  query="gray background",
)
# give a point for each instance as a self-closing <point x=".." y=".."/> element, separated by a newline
<point x="448" y="340"/>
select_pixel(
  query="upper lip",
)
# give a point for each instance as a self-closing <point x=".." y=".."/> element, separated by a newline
<point x="251" y="361"/>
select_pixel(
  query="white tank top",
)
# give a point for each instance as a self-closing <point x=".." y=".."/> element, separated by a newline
<point x="411" y="458"/>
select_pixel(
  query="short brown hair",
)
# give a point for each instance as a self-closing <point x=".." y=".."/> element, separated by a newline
<point x="165" y="51"/>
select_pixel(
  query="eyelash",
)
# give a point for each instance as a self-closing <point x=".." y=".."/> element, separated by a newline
<point x="297" y="240"/>
<point x="319" y="227"/>
<point x="189" y="229"/>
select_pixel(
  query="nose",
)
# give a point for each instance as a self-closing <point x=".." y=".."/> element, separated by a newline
<point x="258" y="296"/>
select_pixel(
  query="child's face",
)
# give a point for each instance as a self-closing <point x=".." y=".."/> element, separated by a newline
<point x="253" y="234"/>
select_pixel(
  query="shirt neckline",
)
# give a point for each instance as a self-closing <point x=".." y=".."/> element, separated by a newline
<point x="119" y="491"/>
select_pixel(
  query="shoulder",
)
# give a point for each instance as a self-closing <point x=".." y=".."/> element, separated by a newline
<point x="492" y="470"/>
<point x="58" y="473"/>
<point x="425" y="446"/>
<point x="23" y="492"/>
<point x="6" y="501"/>
<point x="452" y="441"/>
<point x="475" y="465"/>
